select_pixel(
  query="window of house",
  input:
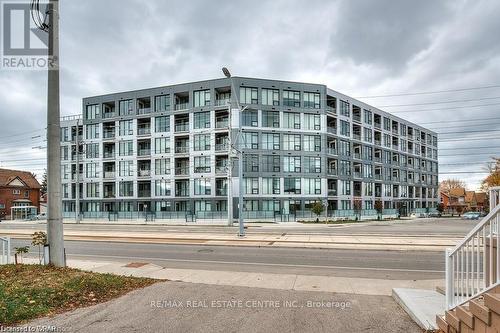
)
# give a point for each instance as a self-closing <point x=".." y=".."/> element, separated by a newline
<point x="126" y="168"/>
<point x="202" y="164"/>
<point x="270" y="141"/>
<point x="125" y="107"/>
<point x="291" y="164"/>
<point x="163" y="187"/>
<point x="270" y="97"/>
<point x="250" y="140"/>
<point x="162" y="145"/>
<point x="92" y="190"/>
<point x="92" y="111"/>
<point x="249" y="95"/>
<point x="311" y="100"/>
<point x="271" y="163"/>
<point x="270" y="119"/>
<point x="312" y="143"/>
<point x="162" y="166"/>
<point x="126" y="127"/>
<point x="202" y="186"/>
<point x="291" y="120"/>
<point x="344" y="148"/>
<point x="162" y="124"/>
<point x="125" y="148"/>
<point x="291" y="185"/>
<point x="270" y="185"/>
<point x="201" y="119"/>
<point x="162" y="103"/>
<point x="345" y="187"/>
<point x="202" y="142"/>
<point x="312" y="164"/>
<point x="92" y="150"/>
<point x="249" y="118"/>
<point x="201" y="98"/>
<point x="251" y="185"/>
<point x="291" y="98"/>
<point x="344" y="109"/>
<point x="292" y="142"/>
<point x="92" y="131"/>
<point x="126" y="189"/>
<point x="345" y="128"/>
<point x="312" y="122"/>
<point x="368" y="117"/>
<point x="91" y="170"/>
<point x="312" y="186"/>
<point x="251" y="163"/>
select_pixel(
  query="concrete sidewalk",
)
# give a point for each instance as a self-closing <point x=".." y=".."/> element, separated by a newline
<point x="386" y="242"/>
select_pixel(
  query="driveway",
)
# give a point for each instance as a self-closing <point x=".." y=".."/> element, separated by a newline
<point x="187" y="307"/>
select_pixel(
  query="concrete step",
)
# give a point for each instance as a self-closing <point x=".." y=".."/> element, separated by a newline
<point x="421" y="305"/>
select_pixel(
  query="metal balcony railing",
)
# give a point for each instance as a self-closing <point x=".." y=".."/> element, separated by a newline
<point x="473" y="267"/>
<point x="5" y="255"/>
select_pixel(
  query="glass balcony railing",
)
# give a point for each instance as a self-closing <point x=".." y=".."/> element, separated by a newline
<point x="143" y="130"/>
<point x="182" y="127"/>
<point x="221" y="146"/>
<point x="144" y="173"/>
<point x="144" y="110"/>
<point x="182" y="171"/>
<point x="144" y="152"/>
<point x="222" y="124"/>
<point x="109" y="195"/>
<point x="109" y="154"/>
<point x="182" y="106"/>
<point x="222" y="102"/>
<point x="109" y="174"/>
<point x="182" y="149"/>
<point x="107" y="115"/>
<point x="109" y="134"/>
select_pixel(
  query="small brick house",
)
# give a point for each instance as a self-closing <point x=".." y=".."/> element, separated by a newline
<point x="19" y="194"/>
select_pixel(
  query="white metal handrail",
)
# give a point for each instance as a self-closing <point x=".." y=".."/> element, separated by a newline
<point x="5" y="257"/>
<point x="472" y="267"/>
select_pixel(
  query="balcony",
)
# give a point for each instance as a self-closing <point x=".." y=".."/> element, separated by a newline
<point x="224" y="123"/>
<point x="184" y="127"/>
<point x="222" y="102"/>
<point x="221" y="146"/>
<point x="107" y="115"/>
<point x="331" y="130"/>
<point x="109" y="134"/>
<point x="109" y="194"/>
<point x="181" y="106"/>
<point x="330" y="109"/>
<point x="144" y="131"/>
<point x="221" y="170"/>
<point x="109" y="174"/>
<point x="332" y="171"/>
<point x="220" y="192"/>
<point x="331" y="151"/>
<point x="144" y="111"/>
<point x="109" y="154"/>
<point x="357" y="174"/>
<point x="144" y="173"/>
<point x="144" y="152"/>
<point x="182" y="171"/>
<point x="332" y="192"/>
<point x="182" y="149"/>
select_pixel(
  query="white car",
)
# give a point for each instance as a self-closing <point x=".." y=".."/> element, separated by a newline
<point x="41" y="216"/>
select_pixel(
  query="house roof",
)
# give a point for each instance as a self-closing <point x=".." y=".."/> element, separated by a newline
<point x="470" y="196"/>
<point x="457" y="192"/>
<point x="481" y="197"/>
<point x="7" y="176"/>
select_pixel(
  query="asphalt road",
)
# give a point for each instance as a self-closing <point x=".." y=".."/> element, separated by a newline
<point x="405" y="265"/>
<point x="418" y="227"/>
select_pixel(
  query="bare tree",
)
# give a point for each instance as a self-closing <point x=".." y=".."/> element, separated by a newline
<point x="448" y="184"/>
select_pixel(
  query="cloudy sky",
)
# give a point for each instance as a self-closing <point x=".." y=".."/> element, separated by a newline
<point x="360" y="48"/>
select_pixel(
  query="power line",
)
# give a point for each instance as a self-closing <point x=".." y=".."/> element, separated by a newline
<point x="441" y="109"/>
<point x="442" y="102"/>
<point x="430" y="92"/>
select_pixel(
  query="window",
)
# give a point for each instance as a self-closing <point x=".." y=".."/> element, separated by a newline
<point x="345" y="168"/>
<point x="201" y="120"/>
<point x="367" y="171"/>
<point x="311" y="100"/>
<point x="270" y="141"/>
<point x="92" y="150"/>
<point x="162" y="124"/>
<point x="202" y="164"/>
<point x="312" y="122"/>
<point x="92" y="131"/>
<point x="271" y="185"/>
<point x="367" y="134"/>
<point x="345" y="187"/>
<point x="312" y="164"/>
<point x="126" y="107"/>
<point x="126" y="189"/>
<point x="92" y="190"/>
<point x="271" y="163"/>
<point x="251" y="185"/>
<point x="368" y="117"/>
<point x="248" y="95"/>
<point x="125" y="148"/>
<point x="250" y="140"/>
<point x="250" y="118"/>
<point x="126" y="168"/>
<point x="202" y="142"/>
<point x="291" y="142"/>
<point x="126" y="127"/>
<point x="312" y="143"/>
<point x="271" y="97"/>
<point x="271" y="205"/>
<point x="162" y="166"/>
<point x="312" y="186"/>
<point x="270" y="119"/>
<point x="345" y="128"/>
<point x="91" y="170"/>
<point x="291" y="185"/>
<point x="291" y="120"/>
<point x="291" y="98"/>
<point x="162" y="145"/>
<point x="202" y="186"/>
<point x="92" y="111"/>
<point x="162" y="103"/>
<point x="344" y="109"/>
<point x="201" y="98"/>
<point x="250" y="163"/>
<point x="163" y="187"/>
<point x="64" y="134"/>
<point x="291" y="164"/>
<point x="16" y="192"/>
<point x="344" y="148"/>
<point x="387" y="124"/>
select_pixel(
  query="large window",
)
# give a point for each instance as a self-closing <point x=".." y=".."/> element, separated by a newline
<point x="345" y="187"/>
<point x="250" y="118"/>
<point x="249" y="95"/>
<point x="92" y="131"/>
<point x="311" y="100"/>
<point x="162" y="124"/>
<point x="162" y="166"/>
<point x="312" y="164"/>
<point x="126" y="189"/>
<point x="270" y="185"/>
<point x="251" y="163"/>
<point x="250" y="140"/>
<point x="162" y="145"/>
<point x="126" y="168"/>
<point x="201" y="120"/>
<point x="92" y="111"/>
<point x="163" y="187"/>
<point x="291" y="185"/>
<point x="202" y="142"/>
<point x="270" y="119"/>
<point x="368" y="117"/>
<point x="202" y="164"/>
<point x="291" y="98"/>
<point x="270" y="141"/>
<point x="345" y="128"/>
<point x="92" y="150"/>
<point x="92" y="190"/>
<point x="271" y="163"/>
<point x="312" y="186"/>
<point x="344" y="109"/>
<point x="291" y="142"/>
<point x="202" y="186"/>
<point x="291" y="164"/>
<point x="91" y="170"/>
<point x="126" y="148"/>
<point x="201" y="98"/>
<point x="312" y="143"/>
<point x="344" y="148"/>
<point x="126" y="107"/>
<point x="126" y="127"/>
<point x="251" y="185"/>
<point x="345" y="168"/>
<point x="312" y="122"/>
<point x="368" y="137"/>
<point x="162" y="103"/>
<point x="270" y="97"/>
<point x="291" y="120"/>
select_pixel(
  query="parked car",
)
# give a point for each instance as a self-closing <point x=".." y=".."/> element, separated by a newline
<point x="42" y="216"/>
<point x="471" y="216"/>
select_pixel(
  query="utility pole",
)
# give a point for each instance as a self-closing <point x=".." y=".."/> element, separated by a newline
<point x="77" y="188"/>
<point x="230" y="170"/>
<point x="54" y="214"/>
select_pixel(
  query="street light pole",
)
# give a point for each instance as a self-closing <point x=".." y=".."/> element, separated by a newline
<point x="54" y="218"/>
<point x="241" y="231"/>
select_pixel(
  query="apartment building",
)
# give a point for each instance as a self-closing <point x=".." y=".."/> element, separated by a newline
<point x="165" y="151"/>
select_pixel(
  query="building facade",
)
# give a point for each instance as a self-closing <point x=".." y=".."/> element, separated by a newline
<point x="166" y="150"/>
<point x="19" y="194"/>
